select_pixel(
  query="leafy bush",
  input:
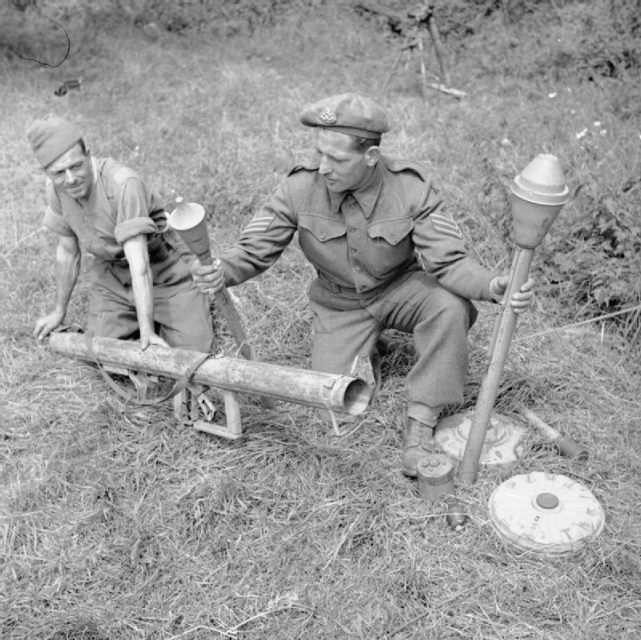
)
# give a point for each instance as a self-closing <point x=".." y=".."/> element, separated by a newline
<point x="577" y="38"/>
<point x="36" y="29"/>
<point x="606" y="37"/>
<point x="597" y="261"/>
<point x="181" y="15"/>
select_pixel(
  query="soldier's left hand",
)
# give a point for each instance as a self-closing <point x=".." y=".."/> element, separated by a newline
<point x="152" y="338"/>
<point x="521" y="300"/>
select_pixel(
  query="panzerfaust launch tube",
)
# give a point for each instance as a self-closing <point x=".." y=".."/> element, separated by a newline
<point x="538" y="193"/>
<point x="490" y="385"/>
<point x="341" y="393"/>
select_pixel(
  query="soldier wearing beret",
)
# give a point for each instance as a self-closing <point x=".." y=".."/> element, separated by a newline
<point x="386" y="254"/>
<point x="140" y="282"/>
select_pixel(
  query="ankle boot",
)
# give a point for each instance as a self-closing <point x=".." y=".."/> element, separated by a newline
<point x="416" y="445"/>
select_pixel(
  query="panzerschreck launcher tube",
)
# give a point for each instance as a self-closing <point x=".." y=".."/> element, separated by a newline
<point x="538" y="194"/>
<point x="341" y="393"/>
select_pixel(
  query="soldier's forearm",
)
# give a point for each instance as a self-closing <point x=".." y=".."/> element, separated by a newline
<point x="66" y="274"/>
<point x="143" y="290"/>
<point x="142" y="283"/>
<point x="467" y="279"/>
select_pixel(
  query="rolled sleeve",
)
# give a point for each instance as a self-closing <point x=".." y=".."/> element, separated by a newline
<point x="132" y="228"/>
<point x="134" y="203"/>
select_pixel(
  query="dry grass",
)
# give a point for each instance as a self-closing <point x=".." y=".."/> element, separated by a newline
<point x="118" y="523"/>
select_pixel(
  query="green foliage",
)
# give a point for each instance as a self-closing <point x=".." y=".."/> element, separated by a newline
<point x="583" y="38"/>
<point x="572" y="38"/>
<point x="181" y="15"/>
<point x="605" y="37"/>
<point x="598" y="260"/>
<point x="37" y="29"/>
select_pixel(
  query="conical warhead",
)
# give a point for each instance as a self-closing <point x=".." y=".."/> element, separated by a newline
<point x="542" y="181"/>
<point x="538" y="194"/>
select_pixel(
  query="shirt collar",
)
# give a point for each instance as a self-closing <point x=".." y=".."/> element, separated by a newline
<point x="366" y="194"/>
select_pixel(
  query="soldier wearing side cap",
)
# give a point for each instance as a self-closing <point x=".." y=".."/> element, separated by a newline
<point x="141" y="281"/>
<point x="386" y="253"/>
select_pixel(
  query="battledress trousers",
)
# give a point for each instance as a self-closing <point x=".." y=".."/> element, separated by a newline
<point x="121" y="207"/>
<point x="386" y="256"/>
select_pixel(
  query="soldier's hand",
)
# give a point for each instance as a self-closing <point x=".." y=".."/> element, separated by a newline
<point x="208" y="277"/>
<point x="46" y="324"/>
<point x="521" y="300"/>
<point x="151" y="338"/>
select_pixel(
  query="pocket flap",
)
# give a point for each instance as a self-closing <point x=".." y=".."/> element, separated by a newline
<point x="323" y="229"/>
<point x="392" y="231"/>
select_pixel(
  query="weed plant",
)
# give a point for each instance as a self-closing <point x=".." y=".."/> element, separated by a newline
<point x="118" y="523"/>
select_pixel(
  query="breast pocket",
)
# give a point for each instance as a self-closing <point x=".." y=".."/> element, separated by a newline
<point x="391" y="243"/>
<point x="321" y="239"/>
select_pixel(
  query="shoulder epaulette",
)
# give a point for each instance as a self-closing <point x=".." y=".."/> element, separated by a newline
<point x="115" y="172"/>
<point x="122" y="174"/>
<point x="398" y="166"/>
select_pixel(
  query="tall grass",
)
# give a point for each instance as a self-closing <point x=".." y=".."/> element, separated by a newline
<point x="118" y="523"/>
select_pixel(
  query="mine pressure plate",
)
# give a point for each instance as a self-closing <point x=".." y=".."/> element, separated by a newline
<point x="546" y="513"/>
<point x="502" y="444"/>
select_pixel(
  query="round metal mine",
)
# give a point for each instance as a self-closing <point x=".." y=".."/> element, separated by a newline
<point x="545" y="512"/>
<point x="502" y="443"/>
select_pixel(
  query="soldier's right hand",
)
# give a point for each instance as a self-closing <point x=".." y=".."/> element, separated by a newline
<point x="208" y="277"/>
<point x="46" y="324"/>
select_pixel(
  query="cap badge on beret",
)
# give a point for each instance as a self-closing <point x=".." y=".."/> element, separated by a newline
<point x="348" y="113"/>
<point x="327" y="116"/>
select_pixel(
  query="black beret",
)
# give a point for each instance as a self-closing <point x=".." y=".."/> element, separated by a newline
<point x="348" y="113"/>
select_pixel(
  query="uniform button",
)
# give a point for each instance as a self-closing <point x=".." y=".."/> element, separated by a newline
<point x="322" y="236"/>
<point x="357" y="267"/>
<point x="353" y="249"/>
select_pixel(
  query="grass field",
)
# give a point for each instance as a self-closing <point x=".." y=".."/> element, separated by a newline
<point x="119" y="523"/>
